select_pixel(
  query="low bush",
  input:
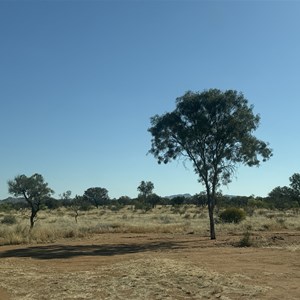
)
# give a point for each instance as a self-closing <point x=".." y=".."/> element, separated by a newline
<point x="138" y="205"/>
<point x="245" y="241"/>
<point x="9" y="220"/>
<point x="232" y="215"/>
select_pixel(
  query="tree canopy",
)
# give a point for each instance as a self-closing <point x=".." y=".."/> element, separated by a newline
<point x="96" y="196"/>
<point x="34" y="189"/>
<point x="295" y="186"/>
<point x="283" y="197"/>
<point x="145" y="188"/>
<point x="214" y="130"/>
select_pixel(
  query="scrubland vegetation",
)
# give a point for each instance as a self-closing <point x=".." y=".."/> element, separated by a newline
<point x="133" y="245"/>
<point x="59" y="223"/>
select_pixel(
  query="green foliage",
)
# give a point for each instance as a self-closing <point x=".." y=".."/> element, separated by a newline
<point x="52" y="203"/>
<point x="65" y="198"/>
<point x="178" y="200"/>
<point x="286" y="197"/>
<point x="232" y="215"/>
<point x="6" y="207"/>
<point x="97" y="196"/>
<point x="141" y="205"/>
<point x="80" y="203"/>
<point x="245" y="241"/>
<point x="124" y="200"/>
<point x="116" y="206"/>
<point x="255" y="203"/>
<point x="9" y="220"/>
<point x="214" y="130"/>
<point x="233" y="201"/>
<point x="153" y="200"/>
<point x="295" y="183"/>
<point x="66" y="195"/>
<point x="146" y="196"/>
<point x="33" y="189"/>
<point x="145" y="188"/>
<point x="295" y="186"/>
<point x="199" y="199"/>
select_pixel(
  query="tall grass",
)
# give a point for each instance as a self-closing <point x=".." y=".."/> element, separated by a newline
<point x="53" y="225"/>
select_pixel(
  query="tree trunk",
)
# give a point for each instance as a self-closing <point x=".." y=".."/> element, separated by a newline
<point x="211" y="221"/>
<point x="33" y="210"/>
<point x="32" y="216"/>
<point x="76" y="216"/>
<point x="211" y="207"/>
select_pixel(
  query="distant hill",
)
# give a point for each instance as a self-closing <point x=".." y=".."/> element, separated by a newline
<point x="12" y="200"/>
<point x="179" y="195"/>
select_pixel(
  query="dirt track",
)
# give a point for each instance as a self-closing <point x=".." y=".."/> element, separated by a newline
<point x="151" y="266"/>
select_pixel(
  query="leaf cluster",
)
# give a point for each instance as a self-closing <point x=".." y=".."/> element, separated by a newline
<point x="145" y="188"/>
<point x="232" y="215"/>
<point x="96" y="196"/>
<point x="214" y="130"/>
<point x="287" y="196"/>
<point x="34" y="189"/>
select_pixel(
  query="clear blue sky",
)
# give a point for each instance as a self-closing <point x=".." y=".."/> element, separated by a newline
<point x="79" y="81"/>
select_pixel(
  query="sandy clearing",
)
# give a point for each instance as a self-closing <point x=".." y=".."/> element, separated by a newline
<point x="150" y="266"/>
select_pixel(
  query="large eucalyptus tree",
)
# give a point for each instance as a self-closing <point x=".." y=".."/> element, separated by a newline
<point x="214" y="130"/>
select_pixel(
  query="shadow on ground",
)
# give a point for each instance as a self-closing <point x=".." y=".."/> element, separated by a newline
<point x="67" y="251"/>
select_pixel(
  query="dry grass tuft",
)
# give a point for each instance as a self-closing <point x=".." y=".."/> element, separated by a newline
<point x="154" y="278"/>
<point x="60" y="223"/>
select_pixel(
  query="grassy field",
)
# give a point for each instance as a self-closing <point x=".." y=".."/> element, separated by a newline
<point x="53" y="225"/>
<point x="164" y="253"/>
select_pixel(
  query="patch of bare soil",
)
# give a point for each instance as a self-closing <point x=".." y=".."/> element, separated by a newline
<point x="4" y="295"/>
<point x="153" y="266"/>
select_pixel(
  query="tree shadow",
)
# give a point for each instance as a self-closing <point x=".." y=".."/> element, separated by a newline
<point x="60" y="251"/>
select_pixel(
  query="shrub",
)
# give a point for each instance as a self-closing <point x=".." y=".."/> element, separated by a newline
<point x="6" y="207"/>
<point x="116" y="207"/>
<point x="139" y="205"/>
<point x="178" y="200"/>
<point x="245" y="241"/>
<point x="232" y="215"/>
<point x="9" y="220"/>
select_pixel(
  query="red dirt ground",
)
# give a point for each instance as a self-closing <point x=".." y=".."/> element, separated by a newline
<point x="276" y="268"/>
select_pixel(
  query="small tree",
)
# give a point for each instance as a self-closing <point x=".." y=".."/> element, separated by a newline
<point x="145" y="188"/>
<point x="76" y="205"/>
<point x="66" y="195"/>
<point x="153" y="200"/>
<point x="65" y="198"/>
<point x="33" y="189"/>
<point x="52" y="203"/>
<point x="177" y="200"/>
<point x="286" y="197"/>
<point x="281" y="197"/>
<point x="124" y="200"/>
<point x="96" y="196"/>
<point x="295" y="186"/>
<point x="213" y="130"/>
